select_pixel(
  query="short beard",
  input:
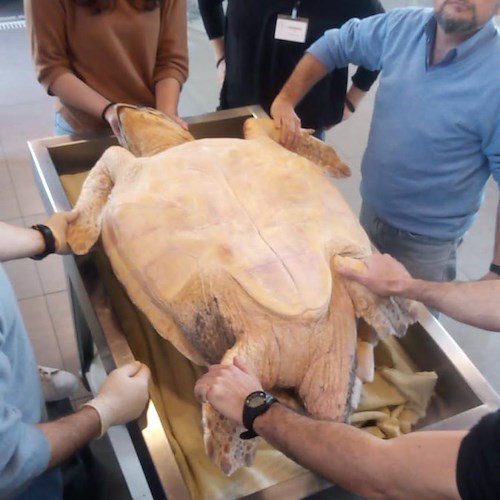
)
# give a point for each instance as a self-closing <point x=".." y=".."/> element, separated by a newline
<point x="450" y="25"/>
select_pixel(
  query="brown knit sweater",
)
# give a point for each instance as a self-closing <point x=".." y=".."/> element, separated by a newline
<point x="121" y="54"/>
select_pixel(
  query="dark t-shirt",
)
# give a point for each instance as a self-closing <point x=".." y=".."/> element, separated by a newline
<point x="478" y="465"/>
<point x="258" y="65"/>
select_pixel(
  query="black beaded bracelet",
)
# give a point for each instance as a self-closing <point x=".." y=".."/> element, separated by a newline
<point x="217" y="64"/>
<point x="48" y="238"/>
<point x="495" y="268"/>
<point x="349" y="105"/>
<point x="103" y="114"/>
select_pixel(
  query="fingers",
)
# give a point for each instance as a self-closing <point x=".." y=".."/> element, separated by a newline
<point x="72" y="216"/>
<point x="180" y="122"/>
<point x="143" y="373"/>
<point x="290" y="133"/>
<point x="238" y="363"/>
<point x="131" y="369"/>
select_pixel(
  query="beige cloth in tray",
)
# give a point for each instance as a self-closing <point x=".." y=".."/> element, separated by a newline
<point x="389" y="406"/>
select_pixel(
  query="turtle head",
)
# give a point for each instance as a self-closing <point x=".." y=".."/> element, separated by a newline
<point x="147" y="131"/>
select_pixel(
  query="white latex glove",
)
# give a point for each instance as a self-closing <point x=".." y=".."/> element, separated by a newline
<point x="58" y="224"/>
<point x="123" y="395"/>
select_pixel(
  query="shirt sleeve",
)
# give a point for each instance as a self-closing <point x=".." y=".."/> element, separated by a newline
<point x="478" y="463"/>
<point x="212" y="15"/>
<point x="359" y="42"/>
<point x="46" y="27"/>
<point x="363" y="78"/>
<point x="491" y="146"/>
<point x="24" y="449"/>
<point x="172" y="58"/>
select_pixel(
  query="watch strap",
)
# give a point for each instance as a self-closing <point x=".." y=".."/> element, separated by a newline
<point x="495" y="268"/>
<point x="250" y="414"/>
<point x="48" y="238"/>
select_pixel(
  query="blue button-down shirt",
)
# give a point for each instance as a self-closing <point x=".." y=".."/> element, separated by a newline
<point x="435" y="132"/>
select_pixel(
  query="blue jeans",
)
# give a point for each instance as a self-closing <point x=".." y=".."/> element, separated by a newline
<point x="425" y="258"/>
<point x="61" y="126"/>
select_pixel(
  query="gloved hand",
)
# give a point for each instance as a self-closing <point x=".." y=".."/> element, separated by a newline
<point x="122" y="396"/>
<point x="58" y="224"/>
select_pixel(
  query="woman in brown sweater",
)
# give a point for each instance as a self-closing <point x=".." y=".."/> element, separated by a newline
<point x="90" y="53"/>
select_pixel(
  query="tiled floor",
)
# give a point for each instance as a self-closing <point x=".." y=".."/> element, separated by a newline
<point x="26" y="113"/>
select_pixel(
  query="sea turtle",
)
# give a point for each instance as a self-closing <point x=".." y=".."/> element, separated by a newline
<point x="228" y="247"/>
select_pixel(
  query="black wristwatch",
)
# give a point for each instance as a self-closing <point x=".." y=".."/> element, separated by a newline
<point x="48" y="238"/>
<point x="256" y="404"/>
<point x="495" y="268"/>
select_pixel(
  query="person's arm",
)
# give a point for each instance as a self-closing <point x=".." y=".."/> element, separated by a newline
<point x="46" y="24"/>
<point x="474" y="303"/>
<point x="167" y="95"/>
<point x="75" y="93"/>
<point x="122" y="398"/>
<point x="171" y="69"/>
<point x="417" y="465"/>
<point x="308" y="72"/>
<point x="363" y="78"/>
<point x="496" y="249"/>
<point x="353" y="99"/>
<point x="19" y="242"/>
<point x="212" y="15"/>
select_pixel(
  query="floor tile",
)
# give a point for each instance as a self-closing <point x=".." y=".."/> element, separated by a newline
<point x="62" y="320"/>
<point x="9" y="206"/>
<point x="24" y="278"/>
<point x="41" y="331"/>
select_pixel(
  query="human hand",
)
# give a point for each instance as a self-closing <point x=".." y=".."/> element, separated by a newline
<point x="382" y="274"/>
<point x="179" y="121"/>
<point x="111" y="116"/>
<point x="226" y="387"/>
<point x="287" y="121"/>
<point x="122" y="396"/>
<point x="58" y="224"/>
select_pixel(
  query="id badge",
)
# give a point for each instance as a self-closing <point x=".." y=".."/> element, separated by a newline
<point x="291" y="29"/>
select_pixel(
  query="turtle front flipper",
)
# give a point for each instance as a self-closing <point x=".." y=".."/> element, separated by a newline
<point x="309" y="147"/>
<point x="85" y="230"/>
<point x="147" y="131"/>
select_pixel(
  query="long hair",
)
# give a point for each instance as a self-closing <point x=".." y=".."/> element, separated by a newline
<point x="98" y="6"/>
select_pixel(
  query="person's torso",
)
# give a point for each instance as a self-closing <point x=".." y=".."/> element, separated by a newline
<point x="258" y="64"/>
<point x="424" y="168"/>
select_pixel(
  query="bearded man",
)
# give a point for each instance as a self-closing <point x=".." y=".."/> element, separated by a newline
<point x="435" y="133"/>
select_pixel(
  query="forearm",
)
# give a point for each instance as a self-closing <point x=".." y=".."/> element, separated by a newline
<point x="496" y="249"/>
<point x="474" y="303"/>
<point x="75" y="93"/>
<point x="167" y="93"/>
<point x="68" y="434"/>
<point x="18" y="242"/>
<point x="355" y="96"/>
<point x="218" y="46"/>
<point x="419" y="465"/>
<point x="308" y="72"/>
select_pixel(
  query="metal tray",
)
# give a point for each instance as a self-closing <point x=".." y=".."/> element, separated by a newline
<point x="150" y="470"/>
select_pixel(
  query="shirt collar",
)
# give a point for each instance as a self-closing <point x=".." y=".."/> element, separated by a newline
<point x="477" y="40"/>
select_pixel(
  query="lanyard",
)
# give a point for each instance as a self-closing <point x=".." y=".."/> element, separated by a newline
<point x="295" y="8"/>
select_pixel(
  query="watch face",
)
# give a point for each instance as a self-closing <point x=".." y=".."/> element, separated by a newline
<point x="256" y="400"/>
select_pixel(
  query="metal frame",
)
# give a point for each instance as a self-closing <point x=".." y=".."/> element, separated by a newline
<point x="428" y="341"/>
